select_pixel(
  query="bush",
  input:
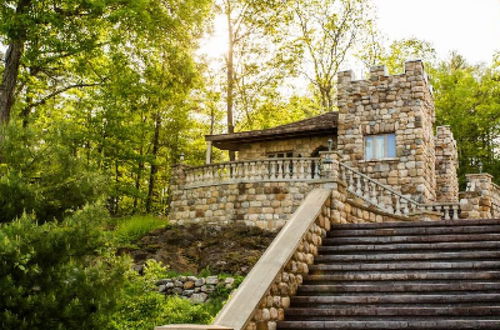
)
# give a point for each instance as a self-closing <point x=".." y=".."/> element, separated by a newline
<point x="58" y="275"/>
<point x="142" y="307"/>
<point x="132" y="228"/>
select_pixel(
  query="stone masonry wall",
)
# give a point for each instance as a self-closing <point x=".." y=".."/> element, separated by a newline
<point x="482" y="198"/>
<point x="266" y="205"/>
<point x="299" y="146"/>
<point x="400" y="104"/>
<point x="446" y="165"/>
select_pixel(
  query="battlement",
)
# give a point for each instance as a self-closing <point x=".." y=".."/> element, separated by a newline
<point x="414" y="71"/>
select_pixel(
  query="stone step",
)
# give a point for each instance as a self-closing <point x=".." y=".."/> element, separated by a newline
<point x="412" y="247"/>
<point x="444" y="230"/>
<point x="428" y="323"/>
<point x="406" y="286"/>
<point x="330" y="312"/>
<point x="402" y="224"/>
<point x="417" y="298"/>
<point x="420" y="265"/>
<point x="404" y="275"/>
<point x="411" y="239"/>
<point x="462" y="255"/>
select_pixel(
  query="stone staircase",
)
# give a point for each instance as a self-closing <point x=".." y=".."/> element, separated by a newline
<point x="408" y="275"/>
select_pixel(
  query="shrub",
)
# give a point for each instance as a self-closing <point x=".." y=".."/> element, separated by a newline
<point x="58" y="275"/>
<point x="142" y="307"/>
<point x="132" y="228"/>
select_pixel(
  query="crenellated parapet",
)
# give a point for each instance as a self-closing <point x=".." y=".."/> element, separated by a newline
<point x="401" y="108"/>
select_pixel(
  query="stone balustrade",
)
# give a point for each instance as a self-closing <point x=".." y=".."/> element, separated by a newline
<point x="375" y="193"/>
<point x="263" y="170"/>
<point x="232" y="179"/>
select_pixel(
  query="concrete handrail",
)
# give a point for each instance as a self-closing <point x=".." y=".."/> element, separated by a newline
<point x="239" y="309"/>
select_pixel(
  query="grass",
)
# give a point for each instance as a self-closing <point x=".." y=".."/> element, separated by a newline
<point x="131" y="229"/>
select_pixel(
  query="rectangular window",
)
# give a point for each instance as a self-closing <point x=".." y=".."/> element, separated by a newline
<point x="380" y="146"/>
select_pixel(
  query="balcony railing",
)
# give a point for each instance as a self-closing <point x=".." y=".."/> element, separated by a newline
<point x="310" y="169"/>
<point x="279" y="169"/>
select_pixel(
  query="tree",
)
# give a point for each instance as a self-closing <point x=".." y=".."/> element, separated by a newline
<point x="396" y="53"/>
<point x="255" y="62"/>
<point x="327" y="32"/>
<point x="468" y="98"/>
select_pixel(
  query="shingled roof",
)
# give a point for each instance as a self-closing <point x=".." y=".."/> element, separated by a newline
<point x="315" y="126"/>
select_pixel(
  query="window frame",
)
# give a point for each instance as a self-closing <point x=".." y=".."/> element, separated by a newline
<point x="374" y="140"/>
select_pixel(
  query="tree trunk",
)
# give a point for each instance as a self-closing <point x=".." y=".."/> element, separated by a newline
<point x="140" y="168"/>
<point x="9" y="79"/>
<point x="12" y="63"/>
<point x="154" y="167"/>
<point x="230" y="79"/>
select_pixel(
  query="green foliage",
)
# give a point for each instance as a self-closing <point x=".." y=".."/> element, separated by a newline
<point x="58" y="275"/>
<point x="39" y="174"/>
<point x="132" y="228"/>
<point x="468" y="99"/>
<point x="144" y="308"/>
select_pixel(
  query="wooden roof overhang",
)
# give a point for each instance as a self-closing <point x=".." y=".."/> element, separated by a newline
<point x="322" y="125"/>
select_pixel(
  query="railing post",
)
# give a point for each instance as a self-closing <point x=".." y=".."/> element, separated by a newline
<point x="330" y="166"/>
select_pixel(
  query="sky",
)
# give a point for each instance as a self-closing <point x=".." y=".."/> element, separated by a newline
<point x="471" y="27"/>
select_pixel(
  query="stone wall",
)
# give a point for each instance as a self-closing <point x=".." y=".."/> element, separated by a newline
<point x="400" y="104"/>
<point x="304" y="147"/>
<point x="446" y="165"/>
<point x="482" y="198"/>
<point x="196" y="289"/>
<point x="266" y="205"/>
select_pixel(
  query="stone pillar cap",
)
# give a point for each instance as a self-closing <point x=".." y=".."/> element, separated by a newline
<point x="479" y="175"/>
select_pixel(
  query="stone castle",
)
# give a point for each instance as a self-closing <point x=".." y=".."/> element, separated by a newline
<point x="374" y="233"/>
<point x="383" y="130"/>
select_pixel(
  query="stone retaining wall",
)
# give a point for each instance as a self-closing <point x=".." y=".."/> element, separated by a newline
<point x="266" y="205"/>
<point x="196" y="289"/>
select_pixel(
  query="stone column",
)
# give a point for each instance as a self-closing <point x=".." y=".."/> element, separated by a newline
<point x="475" y="202"/>
<point x="446" y="165"/>
<point x="329" y="165"/>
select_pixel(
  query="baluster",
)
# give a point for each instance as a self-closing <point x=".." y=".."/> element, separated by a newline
<point x="279" y="169"/>
<point x="300" y="169"/>
<point x="446" y="212"/>
<point x="373" y="193"/>
<point x="217" y="173"/>
<point x="397" y="208"/>
<point x="286" y="170"/>
<point x="404" y="206"/>
<point x="390" y="202"/>
<point x="316" y="169"/>
<point x="267" y="169"/>
<point x="350" y="180"/>
<point x="272" y="169"/>
<point x="263" y="170"/>
<point x="455" y="212"/>
<point x="358" y="186"/>
<point x="366" y="189"/>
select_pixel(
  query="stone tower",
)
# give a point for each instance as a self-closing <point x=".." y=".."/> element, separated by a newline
<point x="399" y="109"/>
